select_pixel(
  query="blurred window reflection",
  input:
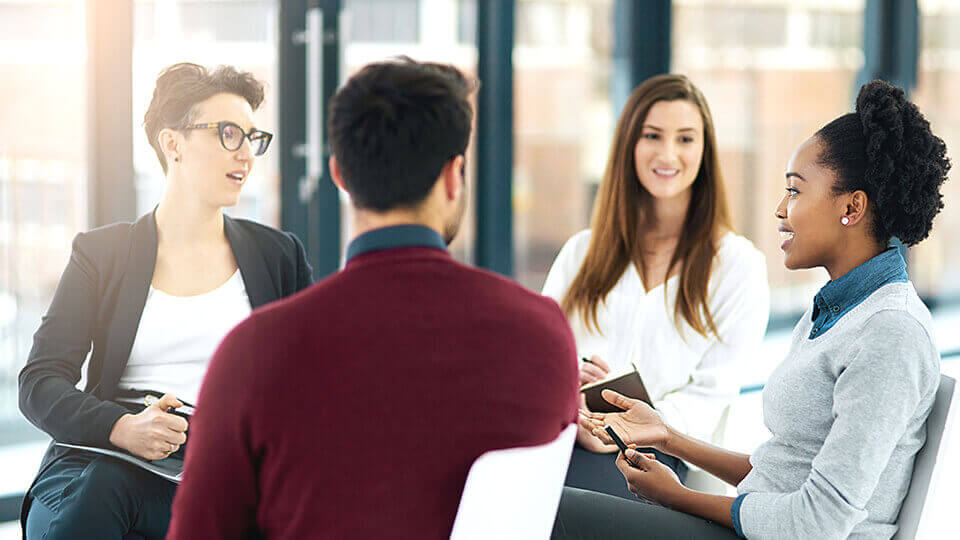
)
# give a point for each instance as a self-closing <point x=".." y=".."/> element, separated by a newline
<point x="935" y="263"/>
<point x="43" y="184"/>
<point x="563" y="125"/>
<point x="767" y="95"/>
<point x="40" y="21"/>
<point x="731" y="24"/>
<point x="383" y="21"/>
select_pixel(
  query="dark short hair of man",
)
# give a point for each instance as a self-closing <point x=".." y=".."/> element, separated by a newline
<point x="394" y="125"/>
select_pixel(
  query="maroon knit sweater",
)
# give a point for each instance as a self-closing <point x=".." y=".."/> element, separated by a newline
<point x="355" y="408"/>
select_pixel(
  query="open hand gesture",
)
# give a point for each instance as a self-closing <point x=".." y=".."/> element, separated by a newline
<point x="639" y="423"/>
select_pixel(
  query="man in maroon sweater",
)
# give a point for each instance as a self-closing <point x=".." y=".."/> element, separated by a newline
<point x="355" y="409"/>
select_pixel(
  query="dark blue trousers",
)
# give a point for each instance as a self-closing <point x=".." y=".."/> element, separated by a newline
<point x="87" y="496"/>
<point x="598" y="472"/>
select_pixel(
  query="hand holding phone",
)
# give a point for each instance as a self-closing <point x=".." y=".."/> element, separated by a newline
<point x="620" y="444"/>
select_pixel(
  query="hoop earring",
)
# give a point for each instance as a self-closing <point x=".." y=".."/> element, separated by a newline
<point x="845" y="220"/>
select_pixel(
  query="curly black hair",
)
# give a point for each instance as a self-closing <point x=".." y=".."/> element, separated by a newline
<point x="887" y="150"/>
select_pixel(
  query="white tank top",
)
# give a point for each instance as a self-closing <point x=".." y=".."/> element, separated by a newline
<point x="178" y="335"/>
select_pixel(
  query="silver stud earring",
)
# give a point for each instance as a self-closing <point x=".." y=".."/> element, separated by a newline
<point x="845" y="220"/>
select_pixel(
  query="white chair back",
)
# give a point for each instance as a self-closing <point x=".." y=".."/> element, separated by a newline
<point x="514" y="492"/>
<point x="915" y="514"/>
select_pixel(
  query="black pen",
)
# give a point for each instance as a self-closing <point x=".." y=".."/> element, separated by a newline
<point x="587" y="360"/>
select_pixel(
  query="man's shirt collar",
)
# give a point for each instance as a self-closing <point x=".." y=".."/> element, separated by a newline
<point x="398" y="236"/>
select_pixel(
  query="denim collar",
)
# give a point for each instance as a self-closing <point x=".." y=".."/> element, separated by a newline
<point x="839" y="296"/>
<point x="397" y="236"/>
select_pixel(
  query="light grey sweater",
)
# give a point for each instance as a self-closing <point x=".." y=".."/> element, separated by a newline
<point x="847" y="412"/>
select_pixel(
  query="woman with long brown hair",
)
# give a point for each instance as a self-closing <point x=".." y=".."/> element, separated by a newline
<point x="660" y="284"/>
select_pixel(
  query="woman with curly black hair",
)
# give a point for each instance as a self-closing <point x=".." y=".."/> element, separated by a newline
<point x="847" y="407"/>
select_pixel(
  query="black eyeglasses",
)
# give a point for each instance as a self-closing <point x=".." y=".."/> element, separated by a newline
<point x="232" y="136"/>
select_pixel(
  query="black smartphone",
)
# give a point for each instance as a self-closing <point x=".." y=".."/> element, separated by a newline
<point x="620" y="444"/>
<point x="616" y="438"/>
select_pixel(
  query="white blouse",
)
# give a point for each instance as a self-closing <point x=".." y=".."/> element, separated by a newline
<point x="178" y="335"/>
<point x="690" y="378"/>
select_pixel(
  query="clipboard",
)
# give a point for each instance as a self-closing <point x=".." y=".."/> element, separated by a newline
<point x="169" y="468"/>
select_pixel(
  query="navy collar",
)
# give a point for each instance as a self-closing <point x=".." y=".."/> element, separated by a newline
<point x="397" y="236"/>
<point x="841" y="295"/>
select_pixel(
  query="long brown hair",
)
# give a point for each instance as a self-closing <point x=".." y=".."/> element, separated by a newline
<point x="622" y="204"/>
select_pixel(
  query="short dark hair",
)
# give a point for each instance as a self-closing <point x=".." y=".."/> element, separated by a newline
<point x="394" y="125"/>
<point x="887" y="150"/>
<point x="182" y="86"/>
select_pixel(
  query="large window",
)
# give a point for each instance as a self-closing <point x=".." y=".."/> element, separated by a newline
<point x="241" y="33"/>
<point x="935" y="263"/>
<point x="563" y="125"/>
<point x="383" y="21"/>
<point x="43" y="162"/>
<point x="774" y="72"/>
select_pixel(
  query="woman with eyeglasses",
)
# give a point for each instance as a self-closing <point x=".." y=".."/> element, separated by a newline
<point x="153" y="298"/>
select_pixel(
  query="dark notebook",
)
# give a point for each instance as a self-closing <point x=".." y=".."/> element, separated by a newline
<point x="629" y="384"/>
